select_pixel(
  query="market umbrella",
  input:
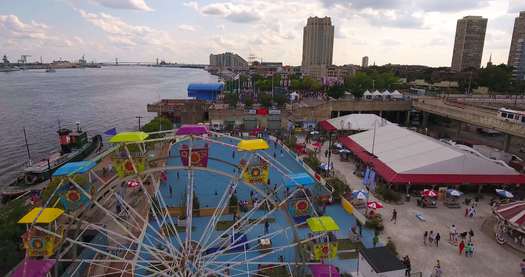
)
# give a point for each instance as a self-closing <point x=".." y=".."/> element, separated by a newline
<point x="316" y="144"/>
<point x="345" y="151"/>
<point x="360" y="194"/>
<point x="504" y="193"/>
<point x="338" y="145"/>
<point x="428" y="193"/>
<point x="374" y="205"/>
<point x="453" y="192"/>
<point x="133" y="183"/>
<point x="326" y="167"/>
<point x="314" y="132"/>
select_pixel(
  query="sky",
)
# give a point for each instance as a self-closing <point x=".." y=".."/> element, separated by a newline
<point x="187" y="31"/>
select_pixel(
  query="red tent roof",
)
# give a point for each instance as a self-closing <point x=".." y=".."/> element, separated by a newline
<point x="392" y="176"/>
<point x="513" y="213"/>
<point x="327" y="126"/>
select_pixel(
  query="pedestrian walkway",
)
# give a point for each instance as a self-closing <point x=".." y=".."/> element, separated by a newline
<point x="489" y="258"/>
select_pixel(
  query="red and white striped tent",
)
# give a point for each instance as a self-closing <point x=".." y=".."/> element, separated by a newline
<point x="513" y="213"/>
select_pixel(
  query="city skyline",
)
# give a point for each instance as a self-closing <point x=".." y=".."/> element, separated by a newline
<point x="401" y="31"/>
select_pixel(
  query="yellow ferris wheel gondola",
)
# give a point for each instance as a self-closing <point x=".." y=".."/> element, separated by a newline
<point x="37" y="241"/>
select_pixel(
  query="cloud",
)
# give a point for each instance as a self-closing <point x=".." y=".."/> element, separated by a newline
<point x="516" y="6"/>
<point x="238" y="13"/>
<point x="362" y="4"/>
<point x="185" y="27"/>
<point x="450" y="6"/>
<point x="124" y="4"/>
<point x="123" y="34"/>
<point x="394" y="19"/>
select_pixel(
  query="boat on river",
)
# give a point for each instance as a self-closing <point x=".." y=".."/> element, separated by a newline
<point x="74" y="146"/>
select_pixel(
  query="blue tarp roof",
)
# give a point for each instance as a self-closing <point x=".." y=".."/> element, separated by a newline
<point x="205" y="91"/>
<point x="75" y="168"/>
<point x="302" y="179"/>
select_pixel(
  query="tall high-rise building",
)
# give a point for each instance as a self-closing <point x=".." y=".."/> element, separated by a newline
<point x="364" y="62"/>
<point x="318" y="41"/>
<point x="517" y="53"/>
<point x="227" y="59"/>
<point x="468" y="45"/>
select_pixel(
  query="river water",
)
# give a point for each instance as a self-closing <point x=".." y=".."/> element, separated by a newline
<point x="99" y="99"/>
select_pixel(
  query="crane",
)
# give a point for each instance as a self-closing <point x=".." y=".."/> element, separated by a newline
<point x="23" y="58"/>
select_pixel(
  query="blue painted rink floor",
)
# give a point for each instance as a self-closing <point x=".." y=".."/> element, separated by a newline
<point x="209" y="188"/>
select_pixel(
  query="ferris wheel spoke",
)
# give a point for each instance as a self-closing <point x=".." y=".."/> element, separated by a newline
<point x="82" y="244"/>
<point x="246" y="218"/>
<point x="109" y="214"/>
<point x="212" y="258"/>
<point x="114" y="236"/>
<point x="223" y="203"/>
<point x="172" y="227"/>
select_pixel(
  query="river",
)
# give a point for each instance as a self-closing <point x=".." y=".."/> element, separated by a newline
<point x="99" y="99"/>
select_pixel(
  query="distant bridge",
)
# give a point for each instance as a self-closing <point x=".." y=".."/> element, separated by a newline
<point x="139" y="63"/>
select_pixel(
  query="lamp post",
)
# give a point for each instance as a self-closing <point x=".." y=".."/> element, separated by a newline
<point x="329" y="151"/>
<point x="139" y="117"/>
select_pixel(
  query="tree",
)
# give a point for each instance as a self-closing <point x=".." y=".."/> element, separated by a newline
<point x="358" y="83"/>
<point x="232" y="99"/>
<point x="296" y="84"/>
<point x="10" y="233"/>
<point x="496" y="78"/>
<point x="248" y="102"/>
<point x="280" y="99"/>
<point x="311" y="84"/>
<point x="265" y="100"/>
<point x="158" y="123"/>
<point x="336" y="91"/>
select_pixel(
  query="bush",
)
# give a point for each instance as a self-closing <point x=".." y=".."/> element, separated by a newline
<point x="158" y="123"/>
<point x="388" y="194"/>
<point x="10" y="233"/>
<point x="312" y="161"/>
<point x="390" y="245"/>
<point x="375" y="224"/>
<point x="339" y="186"/>
<point x="248" y="102"/>
<point x="232" y="99"/>
<point x="265" y="100"/>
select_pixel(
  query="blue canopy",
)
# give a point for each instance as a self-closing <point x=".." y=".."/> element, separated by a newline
<point x="301" y="179"/>
<point x="75" y="168"/>
<point x="205" y="91"/>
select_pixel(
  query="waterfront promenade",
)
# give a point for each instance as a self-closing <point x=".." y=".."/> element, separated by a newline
<point x="489" y="259"/>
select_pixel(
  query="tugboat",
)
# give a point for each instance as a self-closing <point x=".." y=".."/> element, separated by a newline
<point x="74" y="146"/>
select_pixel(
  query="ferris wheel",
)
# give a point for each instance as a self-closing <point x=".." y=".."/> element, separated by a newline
<point x="185" y="202"/>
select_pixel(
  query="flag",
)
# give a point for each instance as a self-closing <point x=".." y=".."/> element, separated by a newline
<point x="111" y="132"/>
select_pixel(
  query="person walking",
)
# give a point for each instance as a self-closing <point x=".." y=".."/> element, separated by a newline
<point x="375" y="240"/>
<point x="522" y="267"/>
<point x="431" y="237"/>
<point x="452" y="233"/>
<point x="406" y="262"/>
<point x="437" y="270"/>
<point x="461" y="247"/>
<point x="438" y="237"/>
<point x="425" y="236"/>
<point x="470" y="235"/>
<point x="394" y="216"/>
<point x="266" y="227"/>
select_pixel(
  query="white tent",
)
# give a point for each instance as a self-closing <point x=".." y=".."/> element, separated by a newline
<point x="396" y="94"/>
<point x="367" y="95"/>
<point x="357" y="122"/>
<point x="410" y="152"/>
<point x="387" y="94"/>
<point x="377" y="94"/>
